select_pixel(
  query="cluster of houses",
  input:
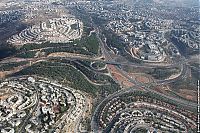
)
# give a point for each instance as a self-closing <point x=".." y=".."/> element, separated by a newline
<point x="49" y="106"/>
<point x="126" y="113"/>
<point x="57" y="30"/>
<point x="189" y="38"/>
<point x="131" y="22"/>
<point x="10" y="16"/>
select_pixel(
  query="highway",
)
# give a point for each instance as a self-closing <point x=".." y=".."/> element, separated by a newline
<point x="94" y="125"/>
<point x="182" y="75"/>
<point x="143" y="85"/>
<point x="110" y="61"/>
<point x="108" y="58"/>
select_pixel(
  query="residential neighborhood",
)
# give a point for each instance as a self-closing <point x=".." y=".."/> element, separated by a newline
<point x="38" y="105"/>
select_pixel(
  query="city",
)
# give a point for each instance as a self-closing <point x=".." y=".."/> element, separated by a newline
<point x="38" y="105"/>
<point x="98" y="66"/>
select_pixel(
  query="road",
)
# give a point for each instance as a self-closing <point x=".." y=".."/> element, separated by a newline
<point x="30" y="114"/>
<point x="110" y="61"/>
<point x="145" y="86"/>
<point x="94" y="125"/>
<point x="108" y="58"/>
<point x="182" y="75"/>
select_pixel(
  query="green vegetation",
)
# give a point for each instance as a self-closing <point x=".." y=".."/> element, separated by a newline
<point x="64" y="109"/>
<point x="6" y="50"/>
<point x="184" y="84"/>
<point x="87" y="64"/>
<point x="141" y="130"/>
<point x="74" y="26"/>
<point x="86" y="45"/>
<point x="68" y="75"/>
<point x="197" y="65"/>
<point x="87" y="30"/>
<point x="163" y="73"/>
<point x="157" y="73"/>
<point x="28" y="54"/>
<point x="91" y="43"/>
<point x="128" y="97"/>
<point x="33" y="46"/>
<point x="145" y="49"/>
<point x="82" y="15"/>
<point x="184" y="49"/>
<point x="61" y="73"/>
<point x="10" y="66"/>
<point x="98" y="65"/>
<point x="95" y="77"/>
<point x="113" y="40"/>
<point x="195" y="74"/>
<point x="92" y="75"/>
<point x="72" y="49"/>
<point x="133" y="20"/>
<point x="99" y="21"/>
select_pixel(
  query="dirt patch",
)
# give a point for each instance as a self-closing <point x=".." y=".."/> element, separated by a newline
<point x="5" y="96"/>
<point x="140" y="77"/>
<point x="127" y="84"/>
<point x="188" y="94"/>
<point x="118" y="77"/>
<point x="123" y="81"/>
<point x="66" y="54"/>
<point x="164" y="89"/>
<point x="3" y="74"/>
